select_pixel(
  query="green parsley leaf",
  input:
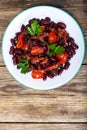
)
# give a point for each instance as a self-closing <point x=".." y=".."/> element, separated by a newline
<point x="52" y="47"/>
<point x="34" y="29"/>
<point x="59" y="50"/>
<point x="24" y="65"/>
<point x="30" y="31"/>
<point x="34" y="26"/>
<point x="50" y="53"/>
<point x="55" y="50"/>
<point x="24" y="70"/>
<point x="38" y="31"/>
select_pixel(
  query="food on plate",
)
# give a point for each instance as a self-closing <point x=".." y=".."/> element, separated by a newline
<point x="43" y="47"/>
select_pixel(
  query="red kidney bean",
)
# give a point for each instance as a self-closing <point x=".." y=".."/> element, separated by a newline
<point x="17" y="34"/>
<point x="17" y="51"/>
<point x="13" y="42"/>
<point x="22" y="27"/>
<point x="60" y="70"/>
<point x="11" y="52"/>
<point x="66" y="66"/>
<point x="68" y="52"/>
<point x="72" y="50"/>
<point x="74" y="45"/>
<point x="45" y="77"/>
<point x="61" y="25"/>
<point x="52" y="24"/>
<point x="30" y="42"/>
<point x="33" y="67"/>
<point x="54" y="72"/>
<point x="30" y="21"/>
<point x="27" y="36"/>
<point x="15" y="60"/>
<point x="61" y="41"/>
<point x="18" y="67"/>
<point x="70" y="39"/>
<point x="49" y="74"/>
<point x="53" y="59"/>
<point x="47" y="18"/>
<point x="35" y="43"/>
<point x="66" y="44"/>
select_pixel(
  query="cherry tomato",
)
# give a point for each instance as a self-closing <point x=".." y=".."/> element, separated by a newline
<point x="19" y="44"/>
<point x="63" y="57"/>
<point x="37" y="74"/>
<point x="36" y="50"/>
<point x="52" y="37"/>
<point x="20" y="41"/>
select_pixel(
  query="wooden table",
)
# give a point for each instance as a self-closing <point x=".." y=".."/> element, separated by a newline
<point x="22" y="108"/>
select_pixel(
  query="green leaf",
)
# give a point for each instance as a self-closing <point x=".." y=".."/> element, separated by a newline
<point x="20" y="65"/>
<point x="59" y="50"/>
<point x="34" y="29"/>
<point x="50" y="53"/>
<point x="55" y="50"/>
<point x="30" y="31"/>
<point x="38" y="31"/>
<point x="52" y="47"/>
<point x="24" y="70"/>
<point x="24" y="60"/>
<point x="24" y="65"/>
<point x="34" y="26"/>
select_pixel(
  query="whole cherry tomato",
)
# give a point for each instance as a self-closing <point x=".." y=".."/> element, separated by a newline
<point x="63" y="57"/>
<point x="37" y="74"/>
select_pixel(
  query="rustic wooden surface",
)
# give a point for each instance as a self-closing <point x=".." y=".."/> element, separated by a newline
<point x="22" y="108"/>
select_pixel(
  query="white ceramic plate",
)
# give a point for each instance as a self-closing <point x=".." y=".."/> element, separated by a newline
<point x="56" y="15"/>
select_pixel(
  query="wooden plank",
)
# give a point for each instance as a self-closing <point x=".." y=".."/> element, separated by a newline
<point x="65" y="104"/>
<point x="43" y="126"/>
<point x="66" y="3"/>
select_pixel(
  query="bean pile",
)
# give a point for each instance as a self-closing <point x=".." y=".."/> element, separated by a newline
<point x="42" y="47"/>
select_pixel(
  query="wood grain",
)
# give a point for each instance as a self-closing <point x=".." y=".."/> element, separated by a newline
<point x="65" y="104"/>
<point x="22" y="108"/>
<point x="43" y="126"/>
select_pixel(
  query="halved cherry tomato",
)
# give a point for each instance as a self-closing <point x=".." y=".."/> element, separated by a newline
<point x="20" y="41"/>
<point x="37" y="74"/>
<point x="52" y="37"/>
<point x="63" y="57"/>
<point x="19" y="45"/>
<point x="36" y="50"/>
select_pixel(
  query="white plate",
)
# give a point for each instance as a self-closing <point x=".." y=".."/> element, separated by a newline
<point x="56" y="15"/>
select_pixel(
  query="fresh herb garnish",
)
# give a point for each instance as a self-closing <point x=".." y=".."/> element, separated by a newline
<point x="56" y="50"/>
<point x="35" y="28"/>
<point x="59" y="50"/>
<point x="52" y="47"/>
<point x="50" y="53"/>
<point x="24" y="65"/>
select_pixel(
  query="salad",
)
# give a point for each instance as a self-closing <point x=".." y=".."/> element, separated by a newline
<point x="43" y="47"/>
